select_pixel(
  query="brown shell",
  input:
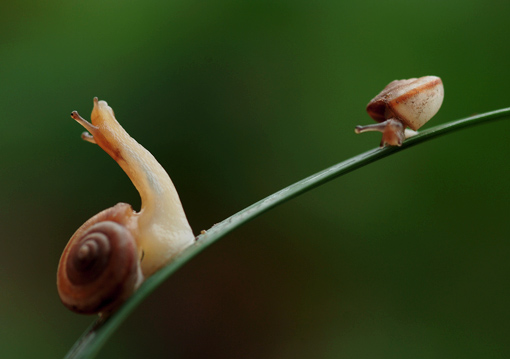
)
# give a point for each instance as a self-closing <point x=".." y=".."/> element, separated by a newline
<point x="100" y="266"/>
<point x="413" y="101"/>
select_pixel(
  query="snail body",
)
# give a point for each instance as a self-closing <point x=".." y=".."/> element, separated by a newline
<point x="404" y="103"/>
<point x="113" y="252"/>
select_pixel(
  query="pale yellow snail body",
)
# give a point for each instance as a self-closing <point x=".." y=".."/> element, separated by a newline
<point x="404" y="103"/>
<point x="111" y="254"/>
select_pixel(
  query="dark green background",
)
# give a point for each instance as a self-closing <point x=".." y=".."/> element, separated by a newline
<point x="406" y="258"/>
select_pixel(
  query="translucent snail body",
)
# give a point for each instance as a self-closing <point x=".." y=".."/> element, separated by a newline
<point x="150" y="238"/>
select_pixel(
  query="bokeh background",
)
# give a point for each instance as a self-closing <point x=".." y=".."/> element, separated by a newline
<point x="405" y="258"/>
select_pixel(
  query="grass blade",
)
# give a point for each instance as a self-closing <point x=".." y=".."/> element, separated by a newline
<point x="89" y="344"/>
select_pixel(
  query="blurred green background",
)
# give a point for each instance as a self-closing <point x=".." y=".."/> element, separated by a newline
<point x="406" y="258"/>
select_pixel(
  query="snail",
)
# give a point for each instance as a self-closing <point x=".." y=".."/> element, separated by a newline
<point x="404" y="103"/>
<point x="113" y="252"/>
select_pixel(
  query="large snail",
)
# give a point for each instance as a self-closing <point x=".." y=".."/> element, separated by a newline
<point x="404" y="103"/>
<point x="112" y="253"/>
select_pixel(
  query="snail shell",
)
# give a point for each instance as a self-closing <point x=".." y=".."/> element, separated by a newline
<point x="404" y="103"/>
<point x="100" y="266"/>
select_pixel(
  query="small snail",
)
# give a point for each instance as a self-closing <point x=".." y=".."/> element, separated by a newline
<point x="112" y="253"/>
<point x="404" y="103"/>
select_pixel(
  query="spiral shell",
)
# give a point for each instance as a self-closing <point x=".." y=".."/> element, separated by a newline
<point x="414" y="101"/>
<point x="100" y="267"/>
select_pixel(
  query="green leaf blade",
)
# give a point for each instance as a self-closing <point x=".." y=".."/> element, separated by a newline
<point x="90" y="343"/>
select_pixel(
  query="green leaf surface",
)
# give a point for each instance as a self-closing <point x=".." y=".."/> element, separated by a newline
<point x="89" y="344"/>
